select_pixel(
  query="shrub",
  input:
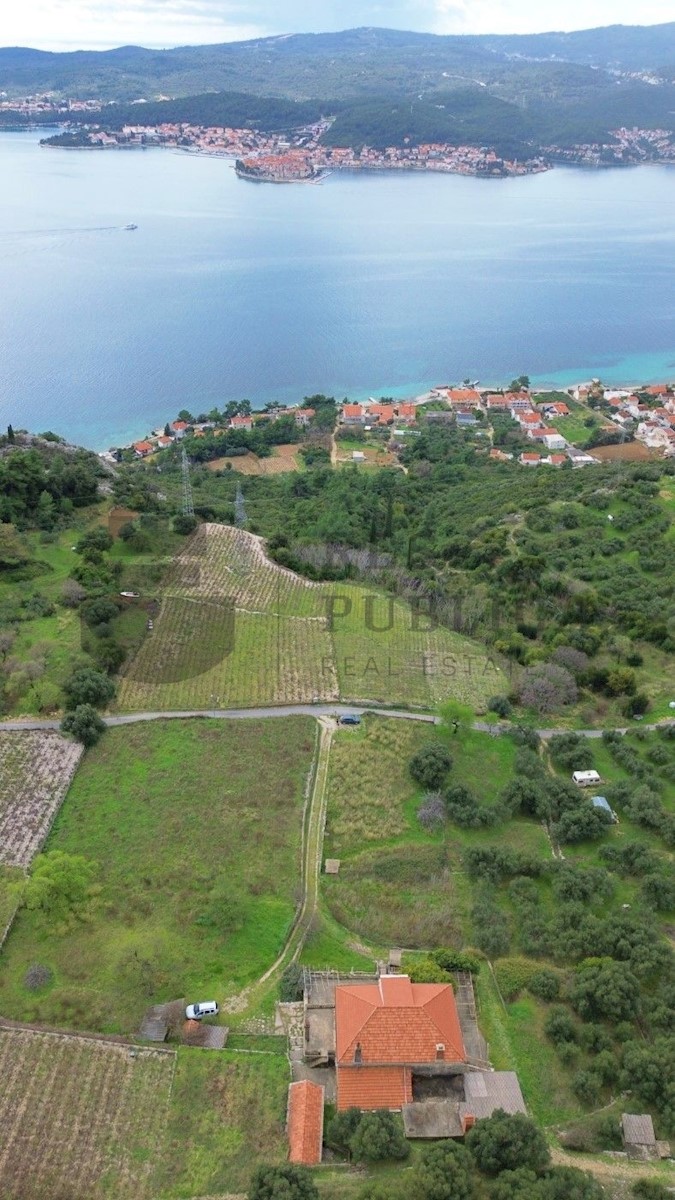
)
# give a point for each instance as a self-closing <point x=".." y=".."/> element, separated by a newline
<point x="546" y="687"/>
<point x="184" y="523"/>
<point x="84" y="724"/>
<point x="430" y="766"/>
<point x="425" y="970"/>
<point x="431" y="812"/>
<point x="559" y="1026"/>
<point x="513" y="976"/>
<point x="457" y="960"/>
<point x="463" y="808"/>
<point x="544" y="984"/>
<point x="37" y="977"/>
<point x="605" y="989"/>
<point x="504" y="1142"/>
<point x="291" y="983"/>
<point x="443" y="1173"/>
<point x="501" y="705"/>
<point x="586" y="1086"/>
<point x="88" y="687"/>
<point x="282" y="1183"/>
<point x="378" y="1136"/>
<point x="650" y="1189"/>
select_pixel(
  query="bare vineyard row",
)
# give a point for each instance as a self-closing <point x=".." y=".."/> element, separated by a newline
<point x="35" y="773"/>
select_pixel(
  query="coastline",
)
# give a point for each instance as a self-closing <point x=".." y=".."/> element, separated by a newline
<point x="422" y="392"/>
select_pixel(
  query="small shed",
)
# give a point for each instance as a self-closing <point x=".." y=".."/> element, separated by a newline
<point x="603" y="803"/>
<point x="638" y="1135"/>
<point x="304" y="1123"/>
<point x="358" y="456"/>
<point x="332" y="866"/>
<point x="394" y="961"/>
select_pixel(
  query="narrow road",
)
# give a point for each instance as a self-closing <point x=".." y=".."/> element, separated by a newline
<point x="241" y="714"/>
<point x="312" y="855"/>
<point x="336" y="709"/>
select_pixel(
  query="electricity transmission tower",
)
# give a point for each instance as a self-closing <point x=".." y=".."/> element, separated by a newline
<point x="188" y="504"/>
<point x="240" y="518"/>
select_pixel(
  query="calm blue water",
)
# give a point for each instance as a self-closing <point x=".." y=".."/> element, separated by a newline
<point x="363" y="285"/>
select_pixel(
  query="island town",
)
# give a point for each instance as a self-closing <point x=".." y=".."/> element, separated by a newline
<point x="300" y="155"/>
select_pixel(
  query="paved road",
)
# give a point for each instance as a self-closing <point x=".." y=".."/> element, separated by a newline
<point x="310" y="710"/>
<point x="241" y="714"/>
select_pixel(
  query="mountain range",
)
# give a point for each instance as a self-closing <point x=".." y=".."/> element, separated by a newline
<point x="358" y="62"/>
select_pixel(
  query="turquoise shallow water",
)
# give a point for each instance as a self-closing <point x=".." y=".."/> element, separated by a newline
<point x="364" y="285"/>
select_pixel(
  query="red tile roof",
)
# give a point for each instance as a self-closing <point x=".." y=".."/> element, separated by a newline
<point x="391" y="1024"/>
<point x="352" y="410"/>
<point x="304" y="1123"/>
<point x="374" y="1087"/>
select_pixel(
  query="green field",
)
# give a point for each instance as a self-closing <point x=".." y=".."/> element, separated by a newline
<point x="227" y="1114"/>
<point x="399" y="884"/>
<point x="47" y="642"/>
<point x="184" y="820"/>
<point x="235" y="629"/>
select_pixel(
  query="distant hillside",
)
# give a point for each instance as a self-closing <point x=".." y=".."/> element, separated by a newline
<point x="357" y="62"/>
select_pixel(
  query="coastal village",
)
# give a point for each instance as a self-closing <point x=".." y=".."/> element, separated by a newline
<point x="546" y="425"/>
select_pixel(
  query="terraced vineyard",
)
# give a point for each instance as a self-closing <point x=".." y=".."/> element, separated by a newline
<point x="235" y="629"/>
<point x="80" y="1117"/>
<point x="35" y="773"/>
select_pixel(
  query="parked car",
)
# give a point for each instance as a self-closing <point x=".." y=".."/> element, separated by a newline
<point x="205" y="1008"/>
<point x="350" y="719"/>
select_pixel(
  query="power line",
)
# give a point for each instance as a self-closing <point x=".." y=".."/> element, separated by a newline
<point x="188" y="503"/>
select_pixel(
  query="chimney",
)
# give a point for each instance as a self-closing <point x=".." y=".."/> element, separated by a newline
<point x="358" y="1054"/>
<point x="440" y="1051"/>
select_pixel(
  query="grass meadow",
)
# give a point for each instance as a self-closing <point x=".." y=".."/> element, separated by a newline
<point x="227" y="1114"/>
<point x="184" y="819"/>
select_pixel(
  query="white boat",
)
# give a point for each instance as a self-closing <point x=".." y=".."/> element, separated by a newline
<point x="130" y="226"/>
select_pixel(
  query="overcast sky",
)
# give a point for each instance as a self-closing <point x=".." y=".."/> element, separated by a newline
<point x="99" y="24"/>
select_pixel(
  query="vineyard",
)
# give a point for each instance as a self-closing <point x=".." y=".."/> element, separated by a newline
<point x="35" y="773"/>
<point x="235" y="629"/>
<point x="80" y="1117"/>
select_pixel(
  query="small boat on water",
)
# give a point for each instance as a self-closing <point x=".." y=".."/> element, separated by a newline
<point x="130" y="226"/>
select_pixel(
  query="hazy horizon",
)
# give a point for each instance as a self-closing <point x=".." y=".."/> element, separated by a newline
<point x="69" y="25"/>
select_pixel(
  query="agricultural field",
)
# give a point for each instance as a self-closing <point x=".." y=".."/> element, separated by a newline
<point x="283" y="458"/>
<point x="236" y="629"/>
<point x="624" y="452"/>
<point x="182" y="819"/>
<point x="80" y="1117"/>
<point x="36" y="769"/>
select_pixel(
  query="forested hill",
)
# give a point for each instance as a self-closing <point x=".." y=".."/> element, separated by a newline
<point x="357" y="62"/>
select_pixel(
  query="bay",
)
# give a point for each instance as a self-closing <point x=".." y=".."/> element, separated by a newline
<point x="363" y="285"/>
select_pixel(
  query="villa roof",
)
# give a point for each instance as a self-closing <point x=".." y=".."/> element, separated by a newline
<point x="396" y="1021"/>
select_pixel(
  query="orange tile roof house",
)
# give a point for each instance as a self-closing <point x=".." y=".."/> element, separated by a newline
<point x="383" y="1030"/>
<point x="304" y="1123"/>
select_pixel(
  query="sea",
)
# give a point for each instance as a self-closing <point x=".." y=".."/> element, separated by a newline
<point x="381" y="284"/>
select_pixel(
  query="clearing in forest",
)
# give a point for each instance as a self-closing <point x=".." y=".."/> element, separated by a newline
<point x="35" y="772"/>
<point x="80" y="1117"/>
<point x="236" y="629"/>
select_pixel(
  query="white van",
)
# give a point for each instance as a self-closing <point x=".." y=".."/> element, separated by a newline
<point x="205" y="1008"/>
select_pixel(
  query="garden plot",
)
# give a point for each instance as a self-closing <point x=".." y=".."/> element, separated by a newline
<point x="80" y="1117"/>
<point x="35" y="772"/>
